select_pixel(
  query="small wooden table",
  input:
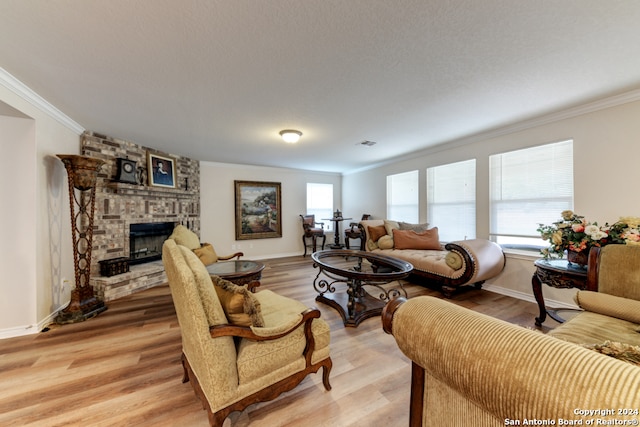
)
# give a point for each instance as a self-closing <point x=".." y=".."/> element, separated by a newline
<point x="557" y="273"/>
<point x="240" y="272"/>
<point x="357" y="269"/>
<point x="336" y="238"/>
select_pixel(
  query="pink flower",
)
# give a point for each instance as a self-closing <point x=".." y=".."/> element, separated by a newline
<point x="578" y="228"/>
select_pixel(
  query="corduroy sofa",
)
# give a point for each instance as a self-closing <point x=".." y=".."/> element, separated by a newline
<point x="239" y="348"/>
<point x="447" y="267"/>
<point x="472" y="369"/>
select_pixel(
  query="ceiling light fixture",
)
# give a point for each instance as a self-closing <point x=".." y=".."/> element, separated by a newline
<point x="290" y="136"/>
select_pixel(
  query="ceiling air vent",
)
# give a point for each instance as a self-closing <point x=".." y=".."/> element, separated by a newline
<point x="368" y="143"/>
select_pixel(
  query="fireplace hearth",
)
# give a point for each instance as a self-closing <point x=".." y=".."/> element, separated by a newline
<point x="145" y="241"/>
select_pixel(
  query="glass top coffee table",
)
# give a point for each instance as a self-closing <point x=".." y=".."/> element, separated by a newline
<point x="240" y="272"/>
<point x="344" y="277"/>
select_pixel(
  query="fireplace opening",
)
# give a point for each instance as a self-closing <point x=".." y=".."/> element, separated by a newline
<point x="145" y="241"/>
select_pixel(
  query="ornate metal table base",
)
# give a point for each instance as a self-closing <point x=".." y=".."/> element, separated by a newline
<point x="376" y="274"/>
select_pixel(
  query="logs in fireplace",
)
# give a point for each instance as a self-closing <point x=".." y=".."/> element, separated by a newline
<point x="145" y="241"/>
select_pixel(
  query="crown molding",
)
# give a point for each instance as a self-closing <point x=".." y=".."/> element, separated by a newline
<point x="23" y="91"/>
<point x="579" y="110"/>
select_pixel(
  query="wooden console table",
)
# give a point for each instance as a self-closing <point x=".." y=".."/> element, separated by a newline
<point x="557" y="273"/>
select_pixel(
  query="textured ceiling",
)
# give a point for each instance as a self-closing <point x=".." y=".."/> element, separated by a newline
<point x="217" y="80"/>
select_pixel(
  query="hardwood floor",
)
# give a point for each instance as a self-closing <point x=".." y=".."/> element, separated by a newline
<point x="123" y="367"/>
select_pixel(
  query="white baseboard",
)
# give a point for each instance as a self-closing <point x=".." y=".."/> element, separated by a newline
<point x="19" y="331"/>
<point x="526" y="296"/>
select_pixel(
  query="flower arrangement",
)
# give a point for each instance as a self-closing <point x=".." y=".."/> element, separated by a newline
<point x="574" y="233"/>
<point x="625" y="231"/>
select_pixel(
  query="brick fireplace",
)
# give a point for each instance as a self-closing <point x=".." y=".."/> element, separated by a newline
<point x="121" y="205"/>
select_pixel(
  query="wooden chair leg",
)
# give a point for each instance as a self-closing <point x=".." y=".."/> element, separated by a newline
<point x="304" y="243"/>
<point x="314" y="243"/>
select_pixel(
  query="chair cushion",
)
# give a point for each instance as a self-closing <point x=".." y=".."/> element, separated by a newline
<point x="238" y="303"/>
<point x="185" y="237"/>
<point x="409" y="239"/>
<point x="207" y="254"/>
<point x="256" y="358"/>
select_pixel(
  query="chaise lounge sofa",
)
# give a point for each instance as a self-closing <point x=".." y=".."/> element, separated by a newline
<point x="472" y="369"/>
<point x="447" y="267"/>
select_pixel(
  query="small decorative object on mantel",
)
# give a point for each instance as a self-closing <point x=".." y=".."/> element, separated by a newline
<point x="575" y="235"/>
<point x="82" y="174"/>
<point x="127" y="171"/>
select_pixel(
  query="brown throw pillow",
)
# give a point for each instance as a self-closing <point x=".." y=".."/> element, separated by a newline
<point x="409" y="239"/>
<point x="239" y="305"/>
<point x="377" y="232"/>
<point x="206" y="253"/>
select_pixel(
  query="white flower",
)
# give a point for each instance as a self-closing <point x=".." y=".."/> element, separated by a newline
<point x="591" y="230"/>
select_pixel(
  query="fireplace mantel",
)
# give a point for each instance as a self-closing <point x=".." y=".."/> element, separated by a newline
<point x="147" y="191"/>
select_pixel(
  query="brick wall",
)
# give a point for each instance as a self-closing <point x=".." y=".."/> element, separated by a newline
<point x="118" y="204"/>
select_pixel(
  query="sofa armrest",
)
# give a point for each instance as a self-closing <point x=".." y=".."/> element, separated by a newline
<point x="486" y="258"/>
<point x="508" y="371"/>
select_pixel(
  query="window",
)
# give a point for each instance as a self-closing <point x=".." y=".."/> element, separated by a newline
<point x="529" y="187"/>
<point x="451" y="200"/>
<point x="320" y="202"/>
<point x="402" y="197"/>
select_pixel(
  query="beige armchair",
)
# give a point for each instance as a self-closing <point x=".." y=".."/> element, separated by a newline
<point x="272" y="345"/>
<point x="205" y="251"/>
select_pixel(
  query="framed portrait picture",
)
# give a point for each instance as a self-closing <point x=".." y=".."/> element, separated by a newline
<point x="258" y="210"/>
<point x="162" y="170"/>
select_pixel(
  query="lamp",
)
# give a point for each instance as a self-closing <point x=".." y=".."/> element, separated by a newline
<point x="82" y="173"/>
<point x="290" y="136"/>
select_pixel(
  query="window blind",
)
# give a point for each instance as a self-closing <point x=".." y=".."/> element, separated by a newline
<point x="451" y="200"/>
<point x="528" y="187"/>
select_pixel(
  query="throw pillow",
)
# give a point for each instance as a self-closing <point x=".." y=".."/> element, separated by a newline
<point x="377" y="232"/>
<point x="185" y="237"/>
<point x="409" y="239"/>
<point x="385" y="242"/>
<point x="207" y="254"/>
<point x="418" y="228"/>
<point x="390" y="226"/>
<point x="625" y="352"/>
<point x="453" y="260"/>
<point x="371" y="245"/>
<point x="239" y="305"/>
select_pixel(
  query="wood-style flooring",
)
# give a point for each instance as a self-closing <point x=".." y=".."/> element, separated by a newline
<point x="122" y="368"/>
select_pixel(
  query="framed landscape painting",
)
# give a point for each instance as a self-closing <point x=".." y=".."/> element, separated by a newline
<point x="258" y="210"/>
<point x="162" y="170"/>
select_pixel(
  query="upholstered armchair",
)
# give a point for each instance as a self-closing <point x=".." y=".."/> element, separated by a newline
<point x="205" y="251"/>
<point x="471" y="369"/>
<point x="310" y="231"/>
<point x="239" y="347"/>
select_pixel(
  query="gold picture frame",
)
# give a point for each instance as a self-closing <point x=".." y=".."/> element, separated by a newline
<point x="258" y="210"/>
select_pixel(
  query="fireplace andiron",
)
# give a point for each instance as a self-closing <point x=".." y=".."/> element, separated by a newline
<point x="82" y="172"/>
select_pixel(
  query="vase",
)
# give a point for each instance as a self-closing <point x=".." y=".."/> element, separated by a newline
<point x="580" y="258"/>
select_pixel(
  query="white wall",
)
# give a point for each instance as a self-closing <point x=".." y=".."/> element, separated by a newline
<point x="36" y="248"/>
<point x="218" y="208"/>
<point x="605" y="174"/>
